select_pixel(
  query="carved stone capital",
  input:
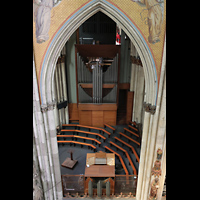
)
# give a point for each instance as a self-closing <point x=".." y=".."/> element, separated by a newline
<point x="149" y="108"/>
<point x="51" y="105"/>
<point x="136" y="61"/>
<point x="44" y="108"/>
<point x="152" y="109"/>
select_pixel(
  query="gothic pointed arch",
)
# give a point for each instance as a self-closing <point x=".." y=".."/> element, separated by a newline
<point x="71" y="25"/>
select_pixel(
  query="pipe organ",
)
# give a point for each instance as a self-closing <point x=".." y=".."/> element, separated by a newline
<point x="97" y="70"/>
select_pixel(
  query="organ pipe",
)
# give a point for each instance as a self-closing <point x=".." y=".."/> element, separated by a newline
<point x="97" y="77"/>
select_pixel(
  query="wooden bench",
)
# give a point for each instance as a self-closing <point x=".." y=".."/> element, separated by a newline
<point x="86" y="132"/>
<point x="131" y="147"/>
<point x="127" y="155"/>
<point x="104" y="131"/>
<point x="135" y="129"/>
<point x="125" y="129"/>
<point x="81" y="137"/>
<point x="122" y="134"/>
<point x="120" y="158"/>
<point x="75" y="142"/>
<point x="89" y="127"/>
<point x="109" y="127"/>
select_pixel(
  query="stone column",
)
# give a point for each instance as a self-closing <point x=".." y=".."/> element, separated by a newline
<point x="58" y="94"/>
<point x="62" y="113"/>
<point x="65" y="91"/>
<point x="137" y="85"/>
<point x="150" y="176"/>
<point x="56" y="114"/>
<point x="44" y="111"/>
<point x="142" y="155"/>
<point x="161" y="143"/>
<point x="41" y="140"/>
<point x="38" y="192"/>
<point x="54" y="149"/>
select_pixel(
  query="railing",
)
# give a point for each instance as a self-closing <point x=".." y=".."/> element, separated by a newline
<point x="73" y="185"/>
<point x="124" y="186"/>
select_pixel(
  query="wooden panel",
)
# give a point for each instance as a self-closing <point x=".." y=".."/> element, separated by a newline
<point x="111" y="106"/>
<point x="110" y="117"/>
<point x="73" y="111"/>
<point x="97" y="118"/>
<point x="89" y="50"/>
<point x="105" y="85"/>
<point x="100" y="171"/>
<point x="129" y="106"/>
<point x="124" y="86"/>
<point x="85" y="117"/>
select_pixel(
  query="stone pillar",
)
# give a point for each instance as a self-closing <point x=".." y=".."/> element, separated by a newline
<point x="56" y="114"/>
<point x="151" y="170"/>
<point x="137" y="85"/>
<point x="142" y="155"/>
<point x="161" y="144"/>
<point x="38" y="192"/>
<point x="65" y="91"/>
<point x="61" y="91"/>
<point x="56" y="77"/>
<point x="54" y="149"/>
<point x="41" y="140"/>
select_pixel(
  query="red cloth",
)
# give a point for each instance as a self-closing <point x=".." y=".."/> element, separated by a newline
<point x="118" y="38"/>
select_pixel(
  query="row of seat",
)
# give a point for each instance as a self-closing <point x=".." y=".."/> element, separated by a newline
<point x="77" y="130"/>
<point x="75" y="142"/>
<point x="79" y="137"/>
<point x="91" y="127"/>
<point x="127" y="155"/>
<point x="75" y="137"/>
<point x="120" y="158"/>
<point x="86" y="132"/>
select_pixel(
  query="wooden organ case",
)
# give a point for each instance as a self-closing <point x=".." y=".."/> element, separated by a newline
<point x="97" y="80"/>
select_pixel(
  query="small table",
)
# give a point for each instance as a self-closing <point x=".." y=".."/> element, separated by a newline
<point x="69" y="163"/>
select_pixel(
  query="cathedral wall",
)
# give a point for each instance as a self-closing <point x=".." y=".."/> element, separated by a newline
<point x="149" y="17"/>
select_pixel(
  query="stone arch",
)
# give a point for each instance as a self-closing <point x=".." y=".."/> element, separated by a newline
<point x="70" y="26"/>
